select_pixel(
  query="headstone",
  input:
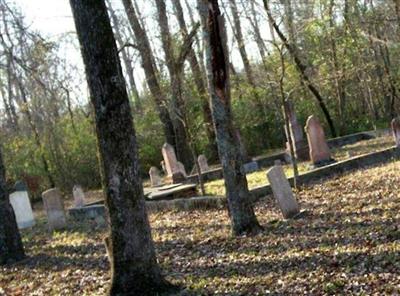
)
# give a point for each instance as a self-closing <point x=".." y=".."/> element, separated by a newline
<point x="278" y="162"/>
<point x="173" y="169"/>
<point x="182" y="169"/>
<point x="202" y="160"/>
<point x="319" y="150"/>
<point x="296" y="133"/>
<point x="79" y="196"/>
<point x="396" y="131"/>
<point x="22" y="206"/>
<point x="155" y="177"/>
<point x="162" y="163"/>
<point x="54" y="206"/>
<point x="282" y="192"/>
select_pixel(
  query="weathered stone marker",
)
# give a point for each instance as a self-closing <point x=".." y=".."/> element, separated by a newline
<point x="22" y="206"/>
<point x="396" y="131"/>
<point x="54" y="206"/>
<point x="79" y="196"/>
<point x="319" y="150"/>
<point x="296" y="133"/>
<point x="182" y="169"/>
<point x="282" y="192"/>
<point x="155" y="177"/>
<point x="203" y="164"/>
<point x="173" y="169"/>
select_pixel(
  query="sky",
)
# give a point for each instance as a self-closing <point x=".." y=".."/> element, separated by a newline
<point x="53" y="18"/>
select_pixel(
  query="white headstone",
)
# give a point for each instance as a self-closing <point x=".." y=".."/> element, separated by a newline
<point x="54" y="206"/>
<point x="155" y="177"/>
<point x="182" y="169"/>
<point x="79" y="196"/>
<point x="22" y="208"/>
<point x="203" y="164"/>
<point x="282" y="192"/>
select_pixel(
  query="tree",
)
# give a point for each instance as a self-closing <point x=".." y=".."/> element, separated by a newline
<point x="241" y="212"/>
<point x="200" y="83"/>
<point x="146" y="54"/>
<point x="175" y="61"/>
<point x="125" y="57"/>
<point x="11" y="248"/>
<point x="301" y="67"/>
<point x="135" y="270"/>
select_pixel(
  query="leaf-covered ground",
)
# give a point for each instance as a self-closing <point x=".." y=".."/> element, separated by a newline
<point x="347" y="242"/>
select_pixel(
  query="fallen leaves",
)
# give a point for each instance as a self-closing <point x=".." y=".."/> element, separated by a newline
<point x="348" y="242"/>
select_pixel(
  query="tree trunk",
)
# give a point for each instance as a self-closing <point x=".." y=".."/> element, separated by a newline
<point x="200" y="84"/>
<point x="145" y="51"/>
<point x="11" y="249"/>
<point x="135" y="270"/>
<point x="175" y="69"/>
<point x="252" y="18"/>
<point x="127" y="61"/>
<point x="35" y="132"/>
<point x="339" y="85"/>
<point x="302" y="70"/>
<point x="241" y="212"/>
<point x="241" y="43"/>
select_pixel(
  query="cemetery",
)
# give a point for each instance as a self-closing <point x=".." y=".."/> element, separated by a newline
<point x="199" y="147"/>
<point x="321" y="228"/>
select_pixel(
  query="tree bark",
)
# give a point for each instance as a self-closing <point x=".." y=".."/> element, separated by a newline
<point x="127" y="61"/>
<point x="135" y="270"/>
<point x="241" y="43"/>
<point x="11" y="249"/>
<point x="339" y="85"/>
<point x="241" y="212"/>
<point x="200" y="84"/>
<point x="302" y="70"/>
<point x="175" y="70"/>
<point x="151" y="73"/>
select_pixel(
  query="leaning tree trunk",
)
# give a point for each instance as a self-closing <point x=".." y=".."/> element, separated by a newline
<point x="200" y="84"/>
<point x="135" y="270"/>
<point x="301" y="67"/>
<point x="11" y="249"/>
<point x="150" y="71"/>
<point x="240" y="207"/>
<point x="125" y="58"/>
<point x="175" y="70"/>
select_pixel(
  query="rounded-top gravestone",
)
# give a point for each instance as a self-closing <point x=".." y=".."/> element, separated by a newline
<point x="79" y="196"/>
<point x="155" y="177"/>
<point x="319" y="150"/>
<point x="54" y="206"/>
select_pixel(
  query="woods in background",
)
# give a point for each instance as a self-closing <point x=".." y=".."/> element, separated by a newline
<point x="340" y="58"/>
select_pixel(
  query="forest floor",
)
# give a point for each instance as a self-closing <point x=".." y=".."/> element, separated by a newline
<point x="347" y="242"/>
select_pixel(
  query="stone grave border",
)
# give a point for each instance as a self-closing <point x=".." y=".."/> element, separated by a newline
<point x="267" y="161"/>
<point x="219" y="202"/>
